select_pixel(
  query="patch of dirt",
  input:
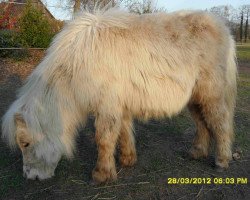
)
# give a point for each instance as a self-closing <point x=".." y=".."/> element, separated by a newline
<point x="244" y="66"/>
<point x="10" y="68"/>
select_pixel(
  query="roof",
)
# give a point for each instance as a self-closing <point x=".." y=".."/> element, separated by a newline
<point x="11" y="11"/>
<point x="18" y="6"/>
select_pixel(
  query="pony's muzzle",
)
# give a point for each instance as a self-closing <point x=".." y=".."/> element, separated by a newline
<point x="35" y="174"/>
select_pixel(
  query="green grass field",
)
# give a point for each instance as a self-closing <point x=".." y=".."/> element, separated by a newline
<point x="243" y="51"/>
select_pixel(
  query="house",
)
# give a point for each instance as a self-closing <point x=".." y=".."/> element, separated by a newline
<point x="11" y="11"/>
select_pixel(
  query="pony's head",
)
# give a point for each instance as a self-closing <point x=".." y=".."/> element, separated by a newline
<point x="40" y="153"/>
<point x="40" y="157"/>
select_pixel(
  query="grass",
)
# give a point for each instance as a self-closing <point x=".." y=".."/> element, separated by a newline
<point x="243" y="51"/>
<point x="242" y="116"/>
<point x="11" y="179"/>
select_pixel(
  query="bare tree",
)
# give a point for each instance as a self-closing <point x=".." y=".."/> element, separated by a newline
<point x="246" y="29"/>
<point x="142" y="6"/>
<point x="230" y="15"/>
<point x="241" y="25"/>
<point x="247" y="11"/>
<point x="225" y="12"/>
<point x="234" y="24"/>
<point x="77" y="5"/>
<point x="244" y="11"/>
<point x="90" y="4"/>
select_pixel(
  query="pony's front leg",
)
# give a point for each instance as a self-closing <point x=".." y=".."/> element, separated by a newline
<point x="107" y="133"/>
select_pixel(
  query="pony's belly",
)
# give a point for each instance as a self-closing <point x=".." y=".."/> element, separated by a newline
<point x="160" y="101"/>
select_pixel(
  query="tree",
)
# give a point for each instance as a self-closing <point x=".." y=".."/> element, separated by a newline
<point x="77" y="5"/>
<point x="241" y="25"/>
<point x="7" y="17"/>
<point x="247" y="11"/>
<point x="226" y="12"/>
<point x="244" y="14"/>
<point x="136" y="6"/>
<point x="90" y="4"/>
<point x="34" y="29"/>
<point x="246" y="29"/>
<point x="142" y="6"/>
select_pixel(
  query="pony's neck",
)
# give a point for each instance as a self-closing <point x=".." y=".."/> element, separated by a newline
<point x="50" y="109"/>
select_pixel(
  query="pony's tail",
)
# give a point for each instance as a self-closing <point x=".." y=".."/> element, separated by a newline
<point x="231" y="86"/>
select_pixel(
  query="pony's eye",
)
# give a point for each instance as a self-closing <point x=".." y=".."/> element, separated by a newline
<point x="26" y="144"/>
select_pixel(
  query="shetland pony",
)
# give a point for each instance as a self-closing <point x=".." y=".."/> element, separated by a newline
<point x="120" y="66"/>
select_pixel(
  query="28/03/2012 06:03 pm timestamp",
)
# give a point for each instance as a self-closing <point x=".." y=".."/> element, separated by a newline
<point x="196" y="181"/>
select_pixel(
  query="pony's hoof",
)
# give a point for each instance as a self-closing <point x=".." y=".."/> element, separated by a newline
<point x="197" y="153"/>
<point x="102" y="175"/>
<point x="128" y="160"/>
<point x="221" y="165"/>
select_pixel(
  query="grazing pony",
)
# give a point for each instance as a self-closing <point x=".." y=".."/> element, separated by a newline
<point x="119" y="66"/>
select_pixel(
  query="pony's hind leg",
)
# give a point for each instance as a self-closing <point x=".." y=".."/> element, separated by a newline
<point x="107" y="132"/>
<point x="127" y="142"/>
<point x="201" y="140"/>
<point x="217" y="117"/>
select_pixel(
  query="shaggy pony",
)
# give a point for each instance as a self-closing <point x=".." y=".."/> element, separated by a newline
<point x="119" y="66"/>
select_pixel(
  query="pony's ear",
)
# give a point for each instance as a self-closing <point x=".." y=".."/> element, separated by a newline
<point x="19" y="121"/>
<point x="23" y="138"/>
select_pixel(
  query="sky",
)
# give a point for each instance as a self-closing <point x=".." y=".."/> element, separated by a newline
<point x="173" y="5"/>
<point x="170" y="5"/>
